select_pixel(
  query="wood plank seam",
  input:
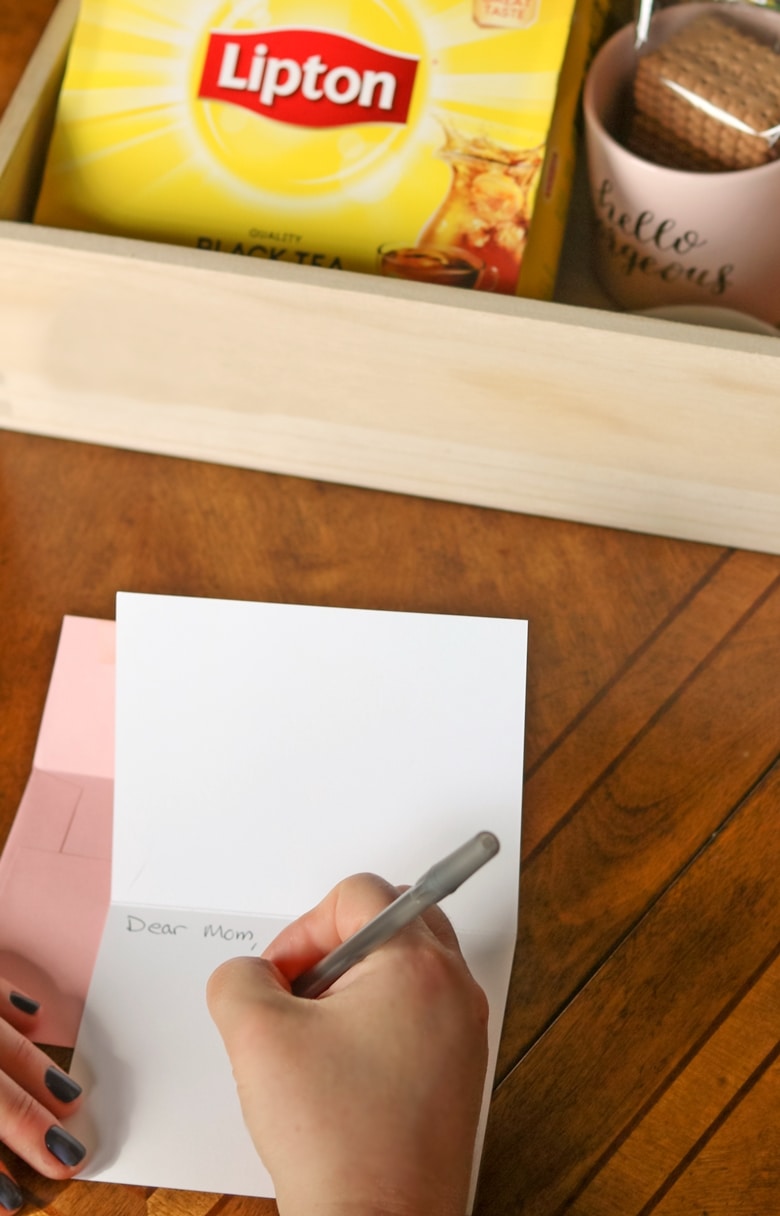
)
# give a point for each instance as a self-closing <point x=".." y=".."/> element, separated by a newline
<point x="166" y="1202"/>
<point x="635" y="925"/>
<point x="531" y="1014"/>
<point x="668" y="1082"/>
<point x="649" y="801"/>
<point x="545" y="1102"/>
<point x="219" y="1206"/>
<point x="617" y="716"/>
<point x="650" y="723"/>
<point x="646" y="911"/>
<point x="631" y="660"/>
<point x="715" y="1126"/>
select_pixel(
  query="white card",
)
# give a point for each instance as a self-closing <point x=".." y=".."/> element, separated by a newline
<point x="264" y="752"/>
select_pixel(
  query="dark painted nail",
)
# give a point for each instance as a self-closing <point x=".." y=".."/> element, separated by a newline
<point x="25" y="1003"/>
<point x="11" y="1197"/>
<point x="64" y="1147"/>
<point x="64" y="1088"/>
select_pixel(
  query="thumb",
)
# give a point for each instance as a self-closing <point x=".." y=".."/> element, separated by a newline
<point x="243" y="993"/>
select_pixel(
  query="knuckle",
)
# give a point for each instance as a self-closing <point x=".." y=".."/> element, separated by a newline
<point x="366" y="885"/>
<point x="480" y="1004"/>
<point x="442" y="975"/>
<point x="21" y="1115"/>
<point x="21" y="1056"/>
<point x="359" y="898"/>
<point x="22" y="1062"/>
<point x="439" y="971"/>
<point x="476" y="1000"/>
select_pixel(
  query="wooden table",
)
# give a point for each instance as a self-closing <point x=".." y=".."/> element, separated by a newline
<point x="639" y="1064"/>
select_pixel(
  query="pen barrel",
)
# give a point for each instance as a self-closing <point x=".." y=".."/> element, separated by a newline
<point x="452" y="871"/>
<point x="441" y="880"/>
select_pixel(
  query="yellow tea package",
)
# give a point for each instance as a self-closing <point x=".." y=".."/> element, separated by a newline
<point x="420" y="139"/>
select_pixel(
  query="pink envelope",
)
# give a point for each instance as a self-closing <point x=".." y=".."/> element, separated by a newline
<point x="55" y="870"/>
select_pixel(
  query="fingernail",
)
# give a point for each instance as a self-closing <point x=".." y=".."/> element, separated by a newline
<point x="64" y="1088"/>
<point x="25" y="1003"/>
<point x="63" y="1146"/>
<point x="11" y="1197"/>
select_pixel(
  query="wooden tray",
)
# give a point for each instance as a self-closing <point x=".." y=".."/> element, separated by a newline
<point x="558" y="409"/>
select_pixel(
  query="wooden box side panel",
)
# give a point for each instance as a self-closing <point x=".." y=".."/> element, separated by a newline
<point x="26" y="124"/>
<point x="537" y="408"/>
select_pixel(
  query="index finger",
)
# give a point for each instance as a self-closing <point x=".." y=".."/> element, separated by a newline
<point x="17" y="1007"/>
<point x="11" y="1195"/>
<point x="344" y="910"/>
<point x="348" y="907"/>
<point x="439" y="924"/>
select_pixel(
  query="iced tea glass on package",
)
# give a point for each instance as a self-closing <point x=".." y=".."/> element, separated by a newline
<point x="477" y="235"/>
<point x="489" y="204"/>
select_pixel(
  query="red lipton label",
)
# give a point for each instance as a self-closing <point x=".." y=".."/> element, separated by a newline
<point x="308" y="78"/>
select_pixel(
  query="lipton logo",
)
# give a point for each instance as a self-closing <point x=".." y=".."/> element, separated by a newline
<point x="308" y="77"/>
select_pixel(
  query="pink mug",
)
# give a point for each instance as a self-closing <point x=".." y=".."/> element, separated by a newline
<point x="669" y="236"/>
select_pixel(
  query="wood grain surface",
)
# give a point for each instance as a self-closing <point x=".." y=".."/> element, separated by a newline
<point x="639" y="1067"/>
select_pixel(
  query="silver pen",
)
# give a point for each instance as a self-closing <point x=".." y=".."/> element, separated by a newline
<point x="442" y="879"/>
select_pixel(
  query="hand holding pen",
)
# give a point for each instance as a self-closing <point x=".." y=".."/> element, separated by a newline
<point x="441" y="880"/>
<point x="368" y="1098"/>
